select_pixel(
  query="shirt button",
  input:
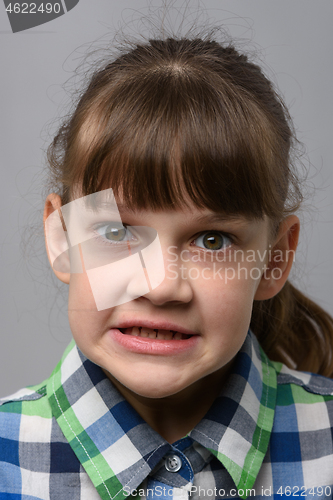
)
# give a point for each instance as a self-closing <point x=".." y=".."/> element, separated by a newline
<point x="173" y="463"/>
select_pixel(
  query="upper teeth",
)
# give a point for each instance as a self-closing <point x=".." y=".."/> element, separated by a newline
<point x="142" y="331"/>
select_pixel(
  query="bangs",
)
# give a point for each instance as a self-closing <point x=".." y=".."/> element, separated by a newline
<point x="169" y="138"/>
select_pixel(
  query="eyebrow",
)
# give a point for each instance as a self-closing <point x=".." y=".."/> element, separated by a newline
<point x="214" y="217"/>
<point x="109" y="205"/>
<point x="222" y="217"/>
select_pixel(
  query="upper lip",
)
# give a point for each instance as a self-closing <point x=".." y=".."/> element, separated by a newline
<point x="154" y="325"/>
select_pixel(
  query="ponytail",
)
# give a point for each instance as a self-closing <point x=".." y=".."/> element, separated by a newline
<point x="293" y="329"/>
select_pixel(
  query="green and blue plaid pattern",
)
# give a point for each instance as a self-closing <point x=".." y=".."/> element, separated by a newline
<point x="74" y="437"/>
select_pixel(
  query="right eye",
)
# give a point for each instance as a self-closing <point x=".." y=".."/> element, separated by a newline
<point x="114" y="232"/>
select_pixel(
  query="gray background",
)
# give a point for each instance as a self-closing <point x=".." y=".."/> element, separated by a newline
<point x="293" y="38"/>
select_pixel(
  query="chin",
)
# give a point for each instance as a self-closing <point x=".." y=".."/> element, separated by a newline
<point x="152" y="387"/>
<point x="153" y="392"/>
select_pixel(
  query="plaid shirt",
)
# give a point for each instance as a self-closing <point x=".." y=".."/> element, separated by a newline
<point x="74" y="437"/>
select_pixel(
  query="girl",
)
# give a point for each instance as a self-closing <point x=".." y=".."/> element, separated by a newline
<point x="172" y="221"/>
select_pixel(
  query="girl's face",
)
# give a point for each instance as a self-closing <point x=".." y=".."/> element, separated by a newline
<point x="213" y="268"/>
<point x="192" y="325"/>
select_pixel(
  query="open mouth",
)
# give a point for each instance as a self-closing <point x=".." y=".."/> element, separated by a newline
<point x="140" y="331"/>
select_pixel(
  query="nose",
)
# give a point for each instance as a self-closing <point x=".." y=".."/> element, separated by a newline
<point x="174" y="288"/>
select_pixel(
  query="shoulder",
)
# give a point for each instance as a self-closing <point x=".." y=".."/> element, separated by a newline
<point x="301" y="445"/>
<point x="25" y="413"/>
<point x="307" y="382"/>
<point x="32" y="401"/>
<point x="28" y="394"/>
<point x="304" y="404"/>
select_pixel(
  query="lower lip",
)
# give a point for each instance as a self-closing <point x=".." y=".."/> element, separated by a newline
<point x="145" y="345"/>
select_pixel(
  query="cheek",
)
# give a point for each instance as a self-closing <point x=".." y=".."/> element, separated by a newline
<point x="237" y="280"/>
<point x="228" y="299"/>
<point x="86" y="323"/>
<point x="80" y="297"/>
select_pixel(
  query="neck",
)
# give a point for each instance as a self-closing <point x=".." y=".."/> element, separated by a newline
<point x="175" y="416"/>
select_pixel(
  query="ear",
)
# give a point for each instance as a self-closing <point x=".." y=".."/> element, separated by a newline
<point x="281" y="258"/>
<point x="55" y="238"/>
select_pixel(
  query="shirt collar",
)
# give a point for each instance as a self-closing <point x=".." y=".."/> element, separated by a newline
<point x="237" y="427"/>
<point x="118" y="448"/>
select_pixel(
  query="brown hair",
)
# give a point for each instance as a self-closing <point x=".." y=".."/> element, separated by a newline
<point x="179" y="116"/>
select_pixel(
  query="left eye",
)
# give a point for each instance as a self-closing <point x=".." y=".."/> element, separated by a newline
<point x="114" y="232"/>
<point x="213" y="241"/>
